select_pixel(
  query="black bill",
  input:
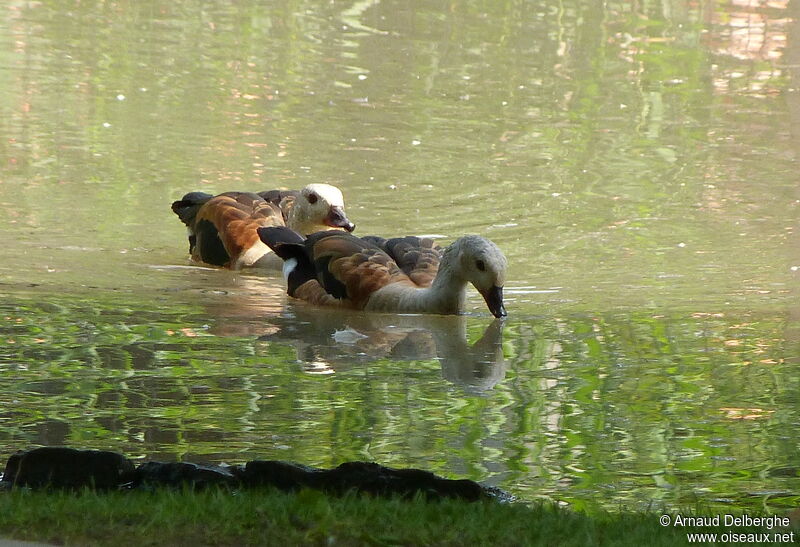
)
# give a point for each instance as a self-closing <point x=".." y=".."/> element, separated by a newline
<point x="494" y="299"/>
<point x="337" y="219"/>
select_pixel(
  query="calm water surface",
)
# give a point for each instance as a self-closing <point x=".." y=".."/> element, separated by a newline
<point x="636" y="162"/>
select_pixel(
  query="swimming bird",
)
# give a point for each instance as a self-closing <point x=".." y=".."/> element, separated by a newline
<point x="222" y="228"/>
<point x="339" y="269"/>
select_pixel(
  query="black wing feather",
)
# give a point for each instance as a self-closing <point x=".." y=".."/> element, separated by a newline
<point x="186" y="208"/>
<point x="288" y="244"/>
<point x="212" y="250"/>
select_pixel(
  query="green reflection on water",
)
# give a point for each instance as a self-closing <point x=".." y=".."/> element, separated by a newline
<point x="602" y="410"/>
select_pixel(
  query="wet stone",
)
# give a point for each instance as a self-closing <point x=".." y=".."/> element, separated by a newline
<point x="384" y="481"/>
<point x="182" y="473"/>
<point x="365" y="477"/>
<point x="71" y="468"/>
<point x="286" y="476"/>
<point x="60" y="467"/>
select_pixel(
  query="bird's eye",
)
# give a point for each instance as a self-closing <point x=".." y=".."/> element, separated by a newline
<point x="312" y="198"/>
<point x="481" y="265"/>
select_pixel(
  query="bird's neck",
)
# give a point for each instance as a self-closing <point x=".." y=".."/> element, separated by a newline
<point x="297" y="220"/>
<point x="449" y="289"/>
<point x="446" y="295"/>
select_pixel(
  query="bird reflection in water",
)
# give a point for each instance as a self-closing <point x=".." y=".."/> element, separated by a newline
<point x="240" y="304"/>
<point x="330" y="340"/>
<point x="327" y="341"/>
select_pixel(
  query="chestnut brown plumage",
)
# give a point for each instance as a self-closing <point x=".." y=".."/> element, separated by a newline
<point x="222" y="229"/>
<point x="418" y="257"/>
<point x="339" y="269"/>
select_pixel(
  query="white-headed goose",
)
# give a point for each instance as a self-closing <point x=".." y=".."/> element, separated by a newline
<point x="222" y="229"/>
<point x="339" y="269"/>
<point x="315" y="208"/>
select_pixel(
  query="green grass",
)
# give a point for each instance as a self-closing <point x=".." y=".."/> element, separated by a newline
<point x="217" y="517"/>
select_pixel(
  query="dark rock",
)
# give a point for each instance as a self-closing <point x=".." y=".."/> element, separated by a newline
<point x="71" y="468"/>
<point x="285" y="476"/>
<point x="10" y="472"/>
<point x="382" y="481"/>
<point x="59" y="467"/>
<point x="182" y="473"/>
<point x="364" y="477"/>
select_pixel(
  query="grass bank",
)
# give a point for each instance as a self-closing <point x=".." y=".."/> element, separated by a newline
<point x="217" y="517"/>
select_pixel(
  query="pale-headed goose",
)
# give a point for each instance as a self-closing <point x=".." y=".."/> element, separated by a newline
<point x="222" y="229"/>
<point x="315" y="208"/>
<point x="339" y="269"/>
